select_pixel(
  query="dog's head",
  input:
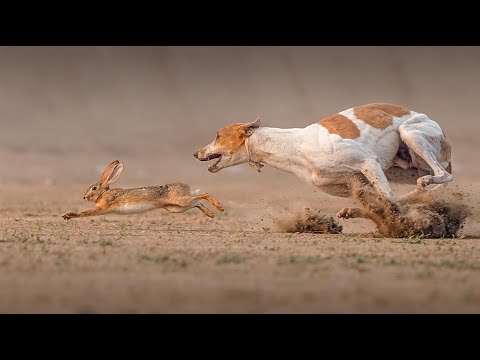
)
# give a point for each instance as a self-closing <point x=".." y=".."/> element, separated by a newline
<point x="228" y="146"/>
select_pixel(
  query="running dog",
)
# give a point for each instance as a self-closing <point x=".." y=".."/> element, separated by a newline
<point x="381" y="142"/>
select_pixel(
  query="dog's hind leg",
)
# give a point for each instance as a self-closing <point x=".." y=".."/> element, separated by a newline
<point x="425" y="138"/>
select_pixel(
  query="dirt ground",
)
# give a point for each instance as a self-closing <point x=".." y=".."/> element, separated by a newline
<point x="68" y="112"/>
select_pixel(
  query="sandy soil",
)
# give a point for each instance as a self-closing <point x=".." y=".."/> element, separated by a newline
<point x="67" y="112"/>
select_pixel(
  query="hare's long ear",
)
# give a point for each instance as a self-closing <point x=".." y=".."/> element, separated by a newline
<point x="108" y="170"/>
<point x="111" y="173"/>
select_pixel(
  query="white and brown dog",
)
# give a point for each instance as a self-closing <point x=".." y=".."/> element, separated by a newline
<point x="384" y="142"/>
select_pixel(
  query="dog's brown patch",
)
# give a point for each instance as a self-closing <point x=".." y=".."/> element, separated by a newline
<point x="231" y="137"/>
<point x="379" y="115"/>
<point x="340" y="125"/>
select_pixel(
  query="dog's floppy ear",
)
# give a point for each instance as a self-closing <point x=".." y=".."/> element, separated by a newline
<point x="251" y="127"/>
<point x="111" y="173"/>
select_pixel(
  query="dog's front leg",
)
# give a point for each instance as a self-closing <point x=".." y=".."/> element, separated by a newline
<point x="373" y="172"/>
<point x="351" y="213"/>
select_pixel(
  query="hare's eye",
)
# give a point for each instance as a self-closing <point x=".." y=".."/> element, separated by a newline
<point x="218" y="136"/>
<point x="94" y="188"/>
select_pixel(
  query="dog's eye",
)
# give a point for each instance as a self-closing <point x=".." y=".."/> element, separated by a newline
<point x="94" y="188"/>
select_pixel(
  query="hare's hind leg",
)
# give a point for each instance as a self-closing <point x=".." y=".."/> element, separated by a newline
<point x="205" y="210"/>
<point x="174" y="208"/>
<point x="183" y="203"/>
<point x="209" y="198"/>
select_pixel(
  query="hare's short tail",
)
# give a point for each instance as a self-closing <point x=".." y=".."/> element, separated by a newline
<point x="196" y="192"/>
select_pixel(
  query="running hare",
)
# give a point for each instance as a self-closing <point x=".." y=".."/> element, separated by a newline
<point x="176" y="197"/>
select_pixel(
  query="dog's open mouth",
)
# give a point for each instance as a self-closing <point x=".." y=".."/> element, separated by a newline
<point x="211" y="157"/>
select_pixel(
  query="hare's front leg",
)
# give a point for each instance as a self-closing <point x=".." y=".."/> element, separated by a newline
<point x="90" y="212"/>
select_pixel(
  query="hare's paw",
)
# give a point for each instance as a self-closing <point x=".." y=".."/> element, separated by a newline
<point x="69" y="215"/>
<point x="217" y="205"/>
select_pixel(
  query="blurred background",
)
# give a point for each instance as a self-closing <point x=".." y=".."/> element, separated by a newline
<point x="65" y="112"/>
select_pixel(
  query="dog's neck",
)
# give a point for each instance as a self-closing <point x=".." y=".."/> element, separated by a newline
<point x="275" y="147"/>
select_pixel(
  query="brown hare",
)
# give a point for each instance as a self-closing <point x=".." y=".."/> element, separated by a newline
<point x="176" y="197"/>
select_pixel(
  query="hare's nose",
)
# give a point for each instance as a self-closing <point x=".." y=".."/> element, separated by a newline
<point x="196" y="155"/>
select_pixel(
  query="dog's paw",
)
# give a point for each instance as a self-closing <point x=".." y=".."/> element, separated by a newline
<point x="347" y="213"/>
<point x="424" y="181"/>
